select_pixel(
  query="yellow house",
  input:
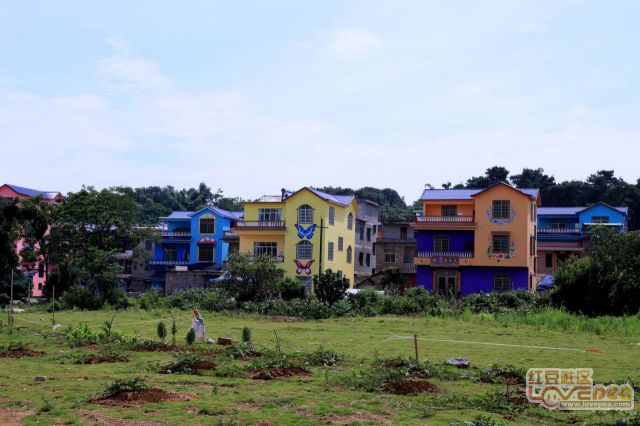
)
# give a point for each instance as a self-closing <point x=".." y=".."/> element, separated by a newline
<point x="306" y="231"/>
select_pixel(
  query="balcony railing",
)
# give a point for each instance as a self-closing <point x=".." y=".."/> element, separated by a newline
<point x="430" y="222"/>
<point x="277" y="259"/>
<point x="407" y="266"/>
<point x="176" y="234"/>
<point x="460" y="254"/>
<point x="559" y="231"/>
<point x="560" y="245"/>
<point x="468" y="219"/>
<point x="260" y="225"/>
<point x="164" y="262"/>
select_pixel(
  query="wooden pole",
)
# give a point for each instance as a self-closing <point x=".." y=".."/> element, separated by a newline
<point x="11" y="306"/>
<point x="53" y="305"/>
<point x="415" y="345"/>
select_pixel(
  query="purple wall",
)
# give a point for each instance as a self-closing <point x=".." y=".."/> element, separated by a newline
<point x="458" y="240"/>
<point x="476" y="279"/>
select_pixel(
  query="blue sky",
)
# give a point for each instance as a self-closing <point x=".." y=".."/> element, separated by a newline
<point x="255" y="96"/>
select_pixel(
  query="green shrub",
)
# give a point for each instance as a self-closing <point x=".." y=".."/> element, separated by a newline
<point x="191" y="336"/>
<point x="134" y="385"/>
<point x="329" y="286"/>
<point x="81" y="298"/>
<point x="174" y="329"/>
<point x="240" y="350"/>
<point x="324" y="357"/>
<point x="246" y="334"/>
<point x="292" y="289"/>
<point x="150" y="300"/>
<point x="82" y="335"/>
<point x="162" y="331"/>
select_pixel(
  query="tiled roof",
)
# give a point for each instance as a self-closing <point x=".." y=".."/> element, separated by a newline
<point x="568" y="211"/>
<point x="187" y="214"/>
<point x="47" y="195"/>
<point x="344" y="200"/>
<point x="180" y="215"/>
<point x="467" y="194"/>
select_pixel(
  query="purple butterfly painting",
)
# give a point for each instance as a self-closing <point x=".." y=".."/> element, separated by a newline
<point x="306" y="268"/>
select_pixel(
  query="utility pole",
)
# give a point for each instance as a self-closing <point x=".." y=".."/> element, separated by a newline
<point x="53" y="305"/>
<point x="11" y="306"/>
<point x="321" y="244"/>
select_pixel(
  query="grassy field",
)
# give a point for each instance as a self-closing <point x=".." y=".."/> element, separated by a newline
<point x="330" y="394"/>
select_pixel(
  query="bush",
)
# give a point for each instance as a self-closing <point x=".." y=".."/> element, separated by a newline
<point x="246" y="334"/>
<point x="329" y="287"/>
<point x="191" y="336"/>
<point x="292" y="289"/>
<point x="510" y="301"/>
<point x="119" y="386"/>
<point x="81" y="298"/>
<point x="150" y="300"/>
<point x="162" y="331"/>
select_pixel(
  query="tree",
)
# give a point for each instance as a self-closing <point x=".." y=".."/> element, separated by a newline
<point x="21" y="285"/>
<point x="329" y="286"/>
<point x="533" y="178"/>
<point x="606" y="281"/>
<point x="391" y="278"/>
<point x="253" y="278"/>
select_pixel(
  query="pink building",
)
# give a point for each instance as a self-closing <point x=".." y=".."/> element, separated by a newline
<point x="8" y="193"/>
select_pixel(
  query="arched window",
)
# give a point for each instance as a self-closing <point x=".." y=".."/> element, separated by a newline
<point x="349" y="254"/>
<point x="304" y="250"/>
<point x="350" y="221"/>
<point x="305" y="214"/>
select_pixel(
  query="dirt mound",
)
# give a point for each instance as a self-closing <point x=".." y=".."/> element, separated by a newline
<point x="96" y="359"/>
<point x="141" y="397"/>
<point x="277" y="372"/>
<point x="19" y="353"/>
<point x="392" y="364"/>
<point x="410" y="387"/>
<point x="204" y="365"/>
<point x="156" y="347"/>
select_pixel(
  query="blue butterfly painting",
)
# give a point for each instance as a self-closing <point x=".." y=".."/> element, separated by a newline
<point x="305" y="232"/>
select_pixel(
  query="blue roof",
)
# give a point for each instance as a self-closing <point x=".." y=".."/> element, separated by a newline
<point x="467" y="194"/>
<point x="47" y="195"/>
<point x="572" y="211"/>
<point x="344" y="200"/>
<point x="186" y="215"/>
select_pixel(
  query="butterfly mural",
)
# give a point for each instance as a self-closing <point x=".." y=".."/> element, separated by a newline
<point x="306" y="268"/>
<point x="302" y="233"/>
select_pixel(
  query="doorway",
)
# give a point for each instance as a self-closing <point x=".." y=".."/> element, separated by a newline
<point x="446" y="283"/>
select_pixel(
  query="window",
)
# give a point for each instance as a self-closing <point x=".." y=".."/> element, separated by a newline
<point x="368" y="234"/>
<point x="304" y="250"/>
<point x="332" y="215"/>
<point x="205" y="253"/>
<point x="360" y="227"/>
<point x="268" y="248"/>
<point x="340" y="244"/>
<point x="533" y="212"/>
<point x="441" y="243"/>
<point x="360" y="258"/>
<point x="501" y="282"/>
<point x="269" y="215"/>
<point x="170" y="253"/>
<point x="41" y="269"/>
<point x="557" y="224"/>
<point x="389" y="256"/>
<point x="330" y="251"/>
<point x="600" y="219"/>
<point x="305" y="214"/>
<point x="350" y="221"/>
<point x="148" y="244"/>
<point x="403" y="232"/>
<point x="548" y="260"/>
<point x="501" y="209"/>
<point x="449" y="210"/>
<point x="532" y="245"/>
<point x="349" y="254"/>
<point x="501" y="243"/>
<point x="368" y="261"/>
<point x="207" y="225"/>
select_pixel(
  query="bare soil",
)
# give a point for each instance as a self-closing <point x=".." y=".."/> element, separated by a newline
<point x="13" y="417"/>
<point x="157" y="347"/>
<point x="95" y="359"/>
<point x="95" y="418"/>
<point x="204" y="365"/>
<point x="277" y="372"/>
<point x="126" y="399"/>
<point x="410" y="387"/>
<point x="19" y="353"/>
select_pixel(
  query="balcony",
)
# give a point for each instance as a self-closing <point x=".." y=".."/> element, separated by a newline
<point x="559" y="231"/>
<point x="459" y="254"/>
<point x="277" y="259"/>
<point x="440" y="222"/>
<point x="164" y="262"/>
<point x="176" y="236"/>
<point x="444" y="259"/>
<point x="560" y="245"/>
<point x="230" y="236"/>
<point x="251" y="225"/>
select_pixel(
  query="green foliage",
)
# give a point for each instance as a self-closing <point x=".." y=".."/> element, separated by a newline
<point x="253" y="278"/>
<point x="481" y="420"/>
<point x="510" y="301"/>
<point x="183" y="364"/>
<point x="246" y="334"/>
<point x="150" y="300"/>
<point x="329" y="287"/>
<point x="240" y="350"/>
<point x="21" y="285"/>
<point x="162" y="331"/>
<point x="324" y="357"/>
<point x="83" y="335"/>
<point x="604" y="282"/>
<point x="120" y="386"/>
<point x="174" y="329"/>
<point x="503" y="374"/>
<point x="191" y="336"/>
<point x="81" y="298"/>
<point x="291" y="289"/>
<point x="46" y="406"/>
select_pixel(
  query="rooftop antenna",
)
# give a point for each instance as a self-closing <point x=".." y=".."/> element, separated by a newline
<point x="284" y="194"/>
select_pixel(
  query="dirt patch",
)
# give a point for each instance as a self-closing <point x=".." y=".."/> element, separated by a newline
<point x="157" y="347"/>
<point x="204" y="365"/>
<point x="410" y="387"/>
<point x="277" y="372"/>
<point x="392" y="364"/>
<point x="127" y="399"/>
<point x="95" y="359"/>
<point x="94" y="418"/>
<point x="356" y="418"/>
<point x="284" y="319"/>
<point x="13" y="417"/>
<point x="19" y="353"/>
<point x="250" y="355"/>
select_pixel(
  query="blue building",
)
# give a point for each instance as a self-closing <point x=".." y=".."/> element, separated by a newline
<point x="192" y="241"/>
<point x="562" y="231"/>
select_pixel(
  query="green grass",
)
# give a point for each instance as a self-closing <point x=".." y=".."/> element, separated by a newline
<point x="343" y="392"/>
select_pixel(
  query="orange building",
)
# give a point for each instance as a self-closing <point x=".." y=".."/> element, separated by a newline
<point x="472" y="240"/>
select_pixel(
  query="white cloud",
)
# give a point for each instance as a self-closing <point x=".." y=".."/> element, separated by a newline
<point x="352" y="43"/>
